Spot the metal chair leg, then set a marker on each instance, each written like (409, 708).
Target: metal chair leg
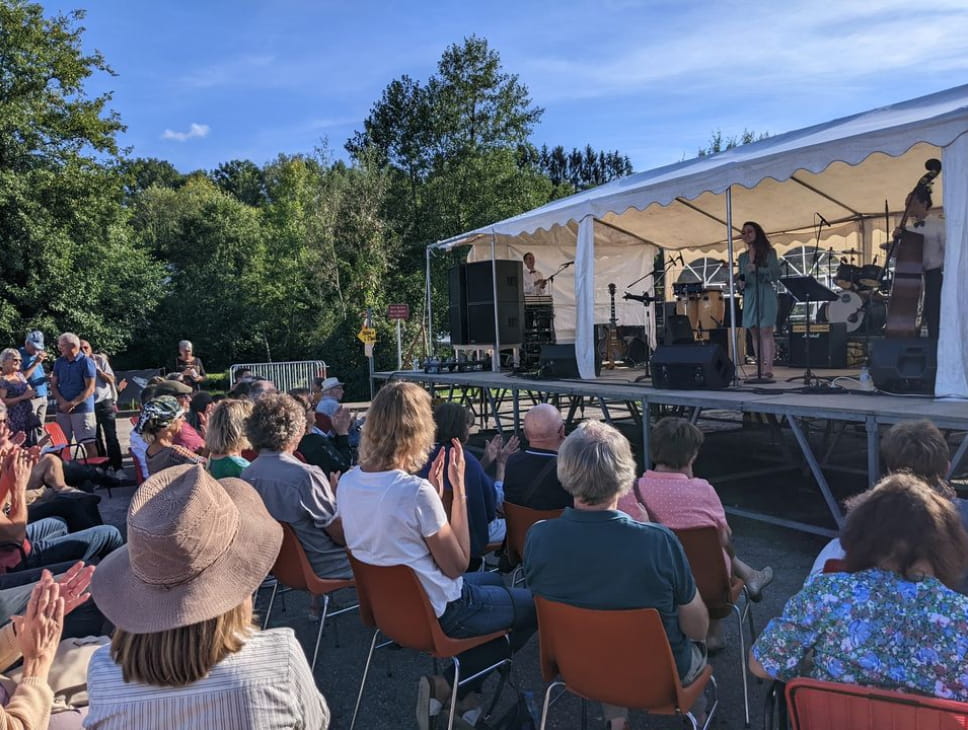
(547, 701)
(742, 664)
(366, 669)
(272, 599)
(319, 633)
(453, 694)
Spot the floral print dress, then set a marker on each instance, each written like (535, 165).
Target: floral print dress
(872, 628)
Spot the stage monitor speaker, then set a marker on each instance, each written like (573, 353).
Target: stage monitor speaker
(691, 367)
(828, 346)
(457, 307)
(904, 365)
(558, 361)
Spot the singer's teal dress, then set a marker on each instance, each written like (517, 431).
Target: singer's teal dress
(760, 292)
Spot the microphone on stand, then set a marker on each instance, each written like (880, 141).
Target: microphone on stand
(823, 221)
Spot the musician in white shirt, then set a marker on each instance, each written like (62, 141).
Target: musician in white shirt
(534, 282)
(931, 226)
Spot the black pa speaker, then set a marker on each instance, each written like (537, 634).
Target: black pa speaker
(480, 290)
(457, 304)
(471, 308)
(558, 361)
(904, 365)
(691, 367)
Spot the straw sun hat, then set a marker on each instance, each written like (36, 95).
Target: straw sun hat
(197, 547)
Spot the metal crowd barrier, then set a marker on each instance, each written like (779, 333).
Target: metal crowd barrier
(285, 375)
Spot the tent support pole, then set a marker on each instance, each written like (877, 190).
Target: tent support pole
(429, 336)
(496, 360)
(733, 341)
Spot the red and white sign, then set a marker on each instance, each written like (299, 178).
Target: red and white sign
(398, 311)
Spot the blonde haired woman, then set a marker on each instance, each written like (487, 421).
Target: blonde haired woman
(185, 653)
(225, 438)
(393, 517)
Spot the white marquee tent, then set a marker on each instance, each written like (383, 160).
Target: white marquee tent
(843, 170)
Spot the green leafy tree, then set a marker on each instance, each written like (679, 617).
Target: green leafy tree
(68, 262)
(141, 173)
(242, 179)
(214, 253)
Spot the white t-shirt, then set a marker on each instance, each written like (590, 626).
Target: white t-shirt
(833, 550)
(386, 516)
(932, 256)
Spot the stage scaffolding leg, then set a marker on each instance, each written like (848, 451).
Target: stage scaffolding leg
(646, 427)
(873, 448)
(494, 409)
(517, 409)
(816, 470)
(959, 455)
(605, 414)
(694, 416)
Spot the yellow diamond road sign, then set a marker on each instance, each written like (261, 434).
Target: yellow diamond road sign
(367, 335)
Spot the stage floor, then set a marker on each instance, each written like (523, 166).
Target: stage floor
(501, 398)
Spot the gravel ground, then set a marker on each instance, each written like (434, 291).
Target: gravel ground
(391, 690)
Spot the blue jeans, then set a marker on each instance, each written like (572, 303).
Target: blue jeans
(51, 543)
(486, 605)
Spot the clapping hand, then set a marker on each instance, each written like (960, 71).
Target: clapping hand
(341, 421)
(39, 629)
(455, 468)
(74, 584)
(436, 474)
(511, 447)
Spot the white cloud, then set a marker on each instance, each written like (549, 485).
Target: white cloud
(194, 130)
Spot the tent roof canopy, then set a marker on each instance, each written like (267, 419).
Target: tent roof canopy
(843, 170)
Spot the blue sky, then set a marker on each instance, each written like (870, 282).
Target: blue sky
(204, 82)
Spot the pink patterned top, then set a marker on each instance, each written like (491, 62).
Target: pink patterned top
(676, 501)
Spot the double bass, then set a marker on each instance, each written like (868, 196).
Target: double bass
(907, 249)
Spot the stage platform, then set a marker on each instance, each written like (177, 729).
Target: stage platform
(501, 398)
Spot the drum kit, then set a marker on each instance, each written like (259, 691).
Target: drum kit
(860, 305)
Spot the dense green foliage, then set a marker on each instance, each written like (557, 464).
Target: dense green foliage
(278, 262)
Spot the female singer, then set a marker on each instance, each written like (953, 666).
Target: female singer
(758, 269)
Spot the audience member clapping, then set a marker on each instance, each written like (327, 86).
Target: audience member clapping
(47, 541)
(893, 620)
(330, 453)
(34, 637)
(185, 653)
(391, 516)
(453, 421)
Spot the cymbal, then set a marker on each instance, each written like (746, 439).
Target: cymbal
(850, 252)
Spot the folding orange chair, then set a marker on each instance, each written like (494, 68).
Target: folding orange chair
(519, 520)
(293, 570)
(62, 447)
(719, 590)
(620, 657)
(816, 705)
(396, 605)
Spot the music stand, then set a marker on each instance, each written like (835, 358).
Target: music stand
(807, 289)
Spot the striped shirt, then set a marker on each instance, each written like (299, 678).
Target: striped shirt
(267, 685)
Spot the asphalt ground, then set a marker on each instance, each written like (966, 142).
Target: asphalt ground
(390, 694)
